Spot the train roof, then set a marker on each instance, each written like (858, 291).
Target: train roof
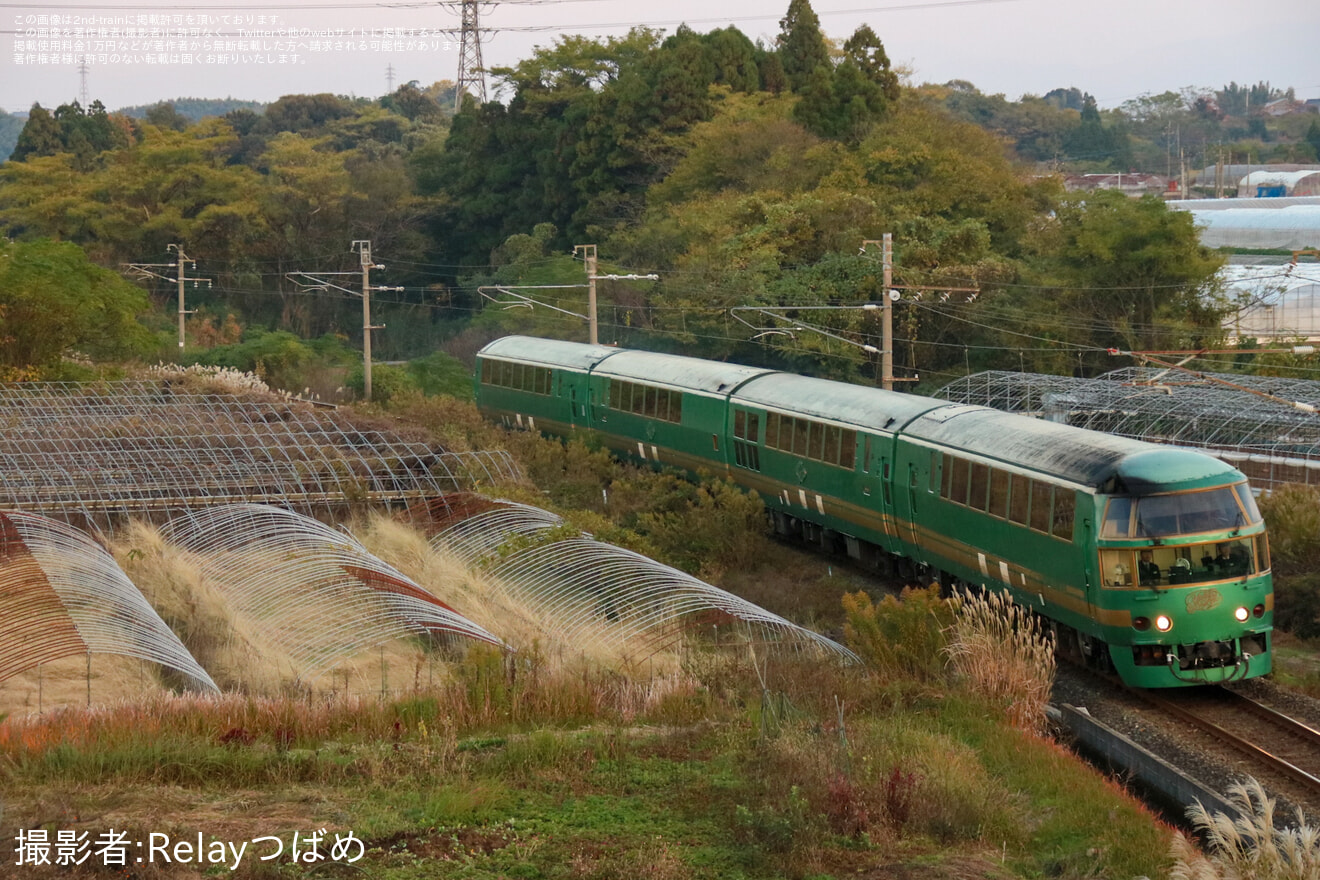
(1101, 461)
(675, 370)
(551, 352)
(839, 401)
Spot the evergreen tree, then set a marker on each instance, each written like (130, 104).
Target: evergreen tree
(773, 78)
(844, 101)
(1313, 136)
(40, 136)
(801, 44)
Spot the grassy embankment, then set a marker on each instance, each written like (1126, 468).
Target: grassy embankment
(926, 763)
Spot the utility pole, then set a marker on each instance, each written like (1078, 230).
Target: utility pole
(589, 257)
(363, 248)
(314, 281)
(145, 270)
(887, 296)
(887, 317)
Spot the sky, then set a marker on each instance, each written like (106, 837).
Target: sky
(1117, 50)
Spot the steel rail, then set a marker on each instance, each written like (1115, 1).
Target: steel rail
(1246, 746)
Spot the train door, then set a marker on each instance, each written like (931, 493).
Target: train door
(874, 486)
(913, 483)
(576, 409)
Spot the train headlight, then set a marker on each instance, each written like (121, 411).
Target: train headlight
(1241, 614)
(1259, 611)
(1163, 623)
(1141, 624)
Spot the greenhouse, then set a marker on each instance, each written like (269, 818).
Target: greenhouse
(1279, 302)
(1269, 438)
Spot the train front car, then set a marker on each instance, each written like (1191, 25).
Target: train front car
(1150, 559)
(1185, 592)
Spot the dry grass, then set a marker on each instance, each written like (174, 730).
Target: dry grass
(1249, 847)
(1002, 651)
(64, 683)
(232, 648)
(479, 597)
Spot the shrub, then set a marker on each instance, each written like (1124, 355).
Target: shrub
(387, 382)
(904, 636)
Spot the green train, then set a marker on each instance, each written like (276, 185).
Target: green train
(1149, 559)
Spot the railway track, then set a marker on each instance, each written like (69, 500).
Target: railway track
(1264, 736)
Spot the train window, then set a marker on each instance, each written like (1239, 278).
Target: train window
(1040, 506)
(772, 430)
(866, 454)
(848, 450)
(1188, 512)
(1019, 500)
(615, 388)
(1118, 519)
(662, 405)
(831, 453)
(980, 485)
(753, 427)
(651, 402)
(801, 428)
(676, 406)
(946, 491)
(739, 457)
(543, 380)
(1248, 502)
(739, 423)
(1116, 568)
(817, 448)
(1262, 552)
(999, 493)
(958, 488)
(1065, 503)
(934, 472)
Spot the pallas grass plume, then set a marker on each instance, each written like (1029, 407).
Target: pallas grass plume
(1002, 651)
(1248, 847)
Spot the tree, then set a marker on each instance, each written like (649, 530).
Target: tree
(842, 102)
(410, 101)
(773, 78)
(801, 44)
(41, 136)
(163, 115)
(1313, 136)
(52, 299)
(1130, 273)
(1065, 99)
(734, 58)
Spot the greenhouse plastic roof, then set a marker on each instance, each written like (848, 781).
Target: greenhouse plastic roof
(1291, 228)
(1162, 406)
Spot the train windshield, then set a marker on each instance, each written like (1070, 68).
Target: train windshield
(1181, 513)
(1162, 566)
